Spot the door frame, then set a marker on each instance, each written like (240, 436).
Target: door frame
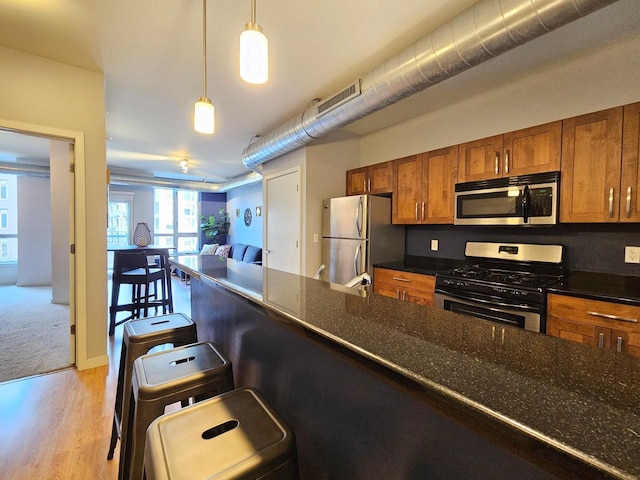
(77, 232)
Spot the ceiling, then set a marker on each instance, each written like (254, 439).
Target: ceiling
(151, 56)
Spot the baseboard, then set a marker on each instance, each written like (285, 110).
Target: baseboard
(92, 362)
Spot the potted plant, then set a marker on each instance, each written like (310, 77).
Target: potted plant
(215, 229)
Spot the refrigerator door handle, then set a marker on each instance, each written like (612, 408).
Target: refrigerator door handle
(355, 260)
(358, 222)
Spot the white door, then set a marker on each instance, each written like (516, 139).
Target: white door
(283, 219)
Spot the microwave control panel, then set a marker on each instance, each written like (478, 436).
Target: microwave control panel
(541, 202)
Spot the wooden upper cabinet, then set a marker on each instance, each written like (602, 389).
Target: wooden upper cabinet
(357, 181)
(372, 179)
(407, 190)
(424, 187)
(630, 180)
(532, 150)
(523, 152)
(480, 159)
(591, 167)
(439, 173)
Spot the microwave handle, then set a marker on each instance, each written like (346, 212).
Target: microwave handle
(525, 204)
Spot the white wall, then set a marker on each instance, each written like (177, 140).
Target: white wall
(37, 94)
(34, 232)
(249, 196)
(597, 80)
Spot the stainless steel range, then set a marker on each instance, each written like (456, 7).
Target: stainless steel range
(502, 282)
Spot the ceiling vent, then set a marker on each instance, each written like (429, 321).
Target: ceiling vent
(340, 98)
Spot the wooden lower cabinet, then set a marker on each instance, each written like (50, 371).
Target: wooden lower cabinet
(602, 324)
(411, 287)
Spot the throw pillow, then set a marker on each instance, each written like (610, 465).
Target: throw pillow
(209, 249)
(223, 250)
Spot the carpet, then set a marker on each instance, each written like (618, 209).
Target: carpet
(34, 333)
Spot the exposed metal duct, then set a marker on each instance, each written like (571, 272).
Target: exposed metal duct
(487, 29)
(240, 181)
(24, 169)
(122, 179)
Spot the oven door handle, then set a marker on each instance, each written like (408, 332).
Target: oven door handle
(485, 302)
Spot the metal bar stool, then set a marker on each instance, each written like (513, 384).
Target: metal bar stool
(159, 379)
(131, 267)
(234, 435)
(140, 336)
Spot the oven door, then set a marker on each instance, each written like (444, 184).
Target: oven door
(502, 311)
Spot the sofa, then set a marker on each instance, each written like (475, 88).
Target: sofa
(237, 251)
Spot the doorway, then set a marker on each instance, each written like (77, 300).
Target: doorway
(283, 221)
(36, 269)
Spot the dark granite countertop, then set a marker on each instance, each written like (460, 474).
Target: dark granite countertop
(423, 265)
(600, 286)
(571, 397)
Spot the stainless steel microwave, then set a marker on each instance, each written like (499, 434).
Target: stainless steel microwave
(523, 200)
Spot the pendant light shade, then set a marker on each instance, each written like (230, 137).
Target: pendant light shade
(204, 112)
(204, 116)
(254, 51)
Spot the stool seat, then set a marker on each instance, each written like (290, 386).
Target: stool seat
(197, 371)
(139, 336)
(234, 435)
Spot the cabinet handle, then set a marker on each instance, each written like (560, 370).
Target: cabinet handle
(364, 185)
(369, 185)
(601, 340)
(497, 163)
(628, 202)
(506, 162)
(400, 279)
(398, 293)
(423, 211)
(619, 347)
(416, 210)
(502, 337)
(404, 295)
(613, 317)
(611, 202)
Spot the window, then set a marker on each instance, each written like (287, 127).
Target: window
(4, 190)
(118, 223)
(4, 219)
(176, 219)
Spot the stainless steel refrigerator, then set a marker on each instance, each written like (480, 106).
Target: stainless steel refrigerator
(356, 234)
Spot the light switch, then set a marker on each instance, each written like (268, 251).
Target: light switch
(316, 238)
(434, 245)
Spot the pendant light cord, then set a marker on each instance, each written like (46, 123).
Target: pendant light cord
(253, 11)
(204, 48)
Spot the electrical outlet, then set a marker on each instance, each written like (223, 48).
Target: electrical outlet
(632, 254)
(434, 245)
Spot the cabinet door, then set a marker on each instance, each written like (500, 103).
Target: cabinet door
(439, 173)
(386, 289)
(380, 178)
(407, 204)
(480, 159)
(630, 204)
(357, 181)
(591, 159)
(593, 335)
(533, 150)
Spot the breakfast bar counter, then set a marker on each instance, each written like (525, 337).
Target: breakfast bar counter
(378, 388)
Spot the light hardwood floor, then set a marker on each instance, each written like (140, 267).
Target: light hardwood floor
(58, 425)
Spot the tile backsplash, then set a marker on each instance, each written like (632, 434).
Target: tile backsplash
(588, 247)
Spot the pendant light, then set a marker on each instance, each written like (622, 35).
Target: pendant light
(204, 113)
(254, 51)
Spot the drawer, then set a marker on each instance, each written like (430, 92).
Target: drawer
(594, 312)
(404, 279)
